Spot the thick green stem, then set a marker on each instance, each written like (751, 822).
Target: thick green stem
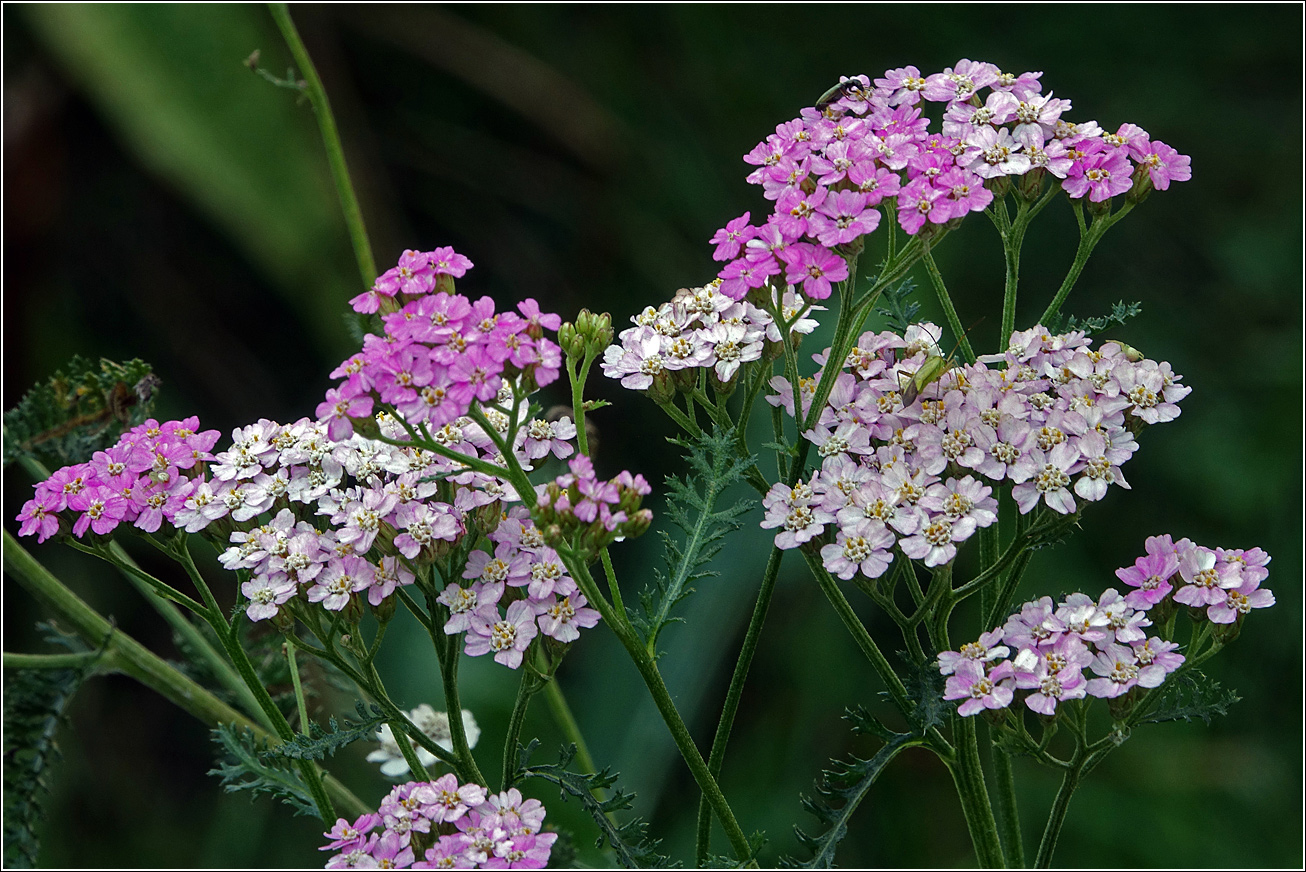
(733, 694)
(566, 722)
(971, 790)
(326, 122)
(101, 659)
(135, 660)
(1013, 845)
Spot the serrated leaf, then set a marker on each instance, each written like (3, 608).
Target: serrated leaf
(630, 841)
(925, 687)
(324, 742)
(1187, 697)
(35, 701)
(898, 309)
(846, 782)
(692, 508)
(83, 408)
(244, 767)
(1120, 313)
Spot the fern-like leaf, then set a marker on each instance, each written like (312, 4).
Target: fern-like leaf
(1188, 697)
(34, 704)
(692, 508)
(81, 409)
(246, 765)
(322, 742)
(899, 309)
(843, 787)
(629, 841)
(1120, 313)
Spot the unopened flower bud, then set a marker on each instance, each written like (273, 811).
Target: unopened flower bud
(722, 388)
(1031, 184)
(572, 344)
(1000, 186)
(386, 610)
(663, 389)
(443, 284)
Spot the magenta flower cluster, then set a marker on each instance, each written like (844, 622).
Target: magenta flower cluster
(440, 352)
(1055, 643)
(828, 170)
(701, 328)
(519, 591)
(444, 825)
(144, 480)
(1053, 416)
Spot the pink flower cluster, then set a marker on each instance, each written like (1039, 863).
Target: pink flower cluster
(440, 352)
(144, 480)
(1056, 643)
(828, 170)
(449, 825)
(520, 591)
(576, 507)
(379, 505)
(700, 328)
(1052, 416)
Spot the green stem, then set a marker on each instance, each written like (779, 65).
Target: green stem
(326, 122)
(858, 631)
(300, 704)
(971, 790)
(1088, 240)
(648, 671)
(137, 661)
(181, 625)
(1013, 846)
(526, 690)
(716, 758)
(949, 311)
(1057, 817)
(79, 660)
(566, 722)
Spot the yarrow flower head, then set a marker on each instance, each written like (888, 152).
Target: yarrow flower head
(443, 824)
(1109, 637)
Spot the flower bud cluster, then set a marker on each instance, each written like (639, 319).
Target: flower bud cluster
(829, 169)
(1054, 644)
(440, 352)
(448, 825)
(588, 514)
(436, 727)
(520, 591)
(701, 328)
(1053, 416)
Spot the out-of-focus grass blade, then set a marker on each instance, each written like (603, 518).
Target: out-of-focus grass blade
(170, 80)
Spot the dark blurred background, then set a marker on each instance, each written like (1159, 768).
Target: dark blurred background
(162, 202)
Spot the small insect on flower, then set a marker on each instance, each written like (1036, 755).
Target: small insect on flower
(934, 368)
(846, 88)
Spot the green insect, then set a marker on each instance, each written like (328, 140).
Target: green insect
(934, 368)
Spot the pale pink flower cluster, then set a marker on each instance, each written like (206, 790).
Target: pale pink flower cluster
(510, 596)
(449, 826)
(829, 170)
(1053, 416)
(1055, 643)
(701, 328)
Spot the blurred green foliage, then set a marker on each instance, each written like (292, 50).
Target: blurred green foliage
(162, 202)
